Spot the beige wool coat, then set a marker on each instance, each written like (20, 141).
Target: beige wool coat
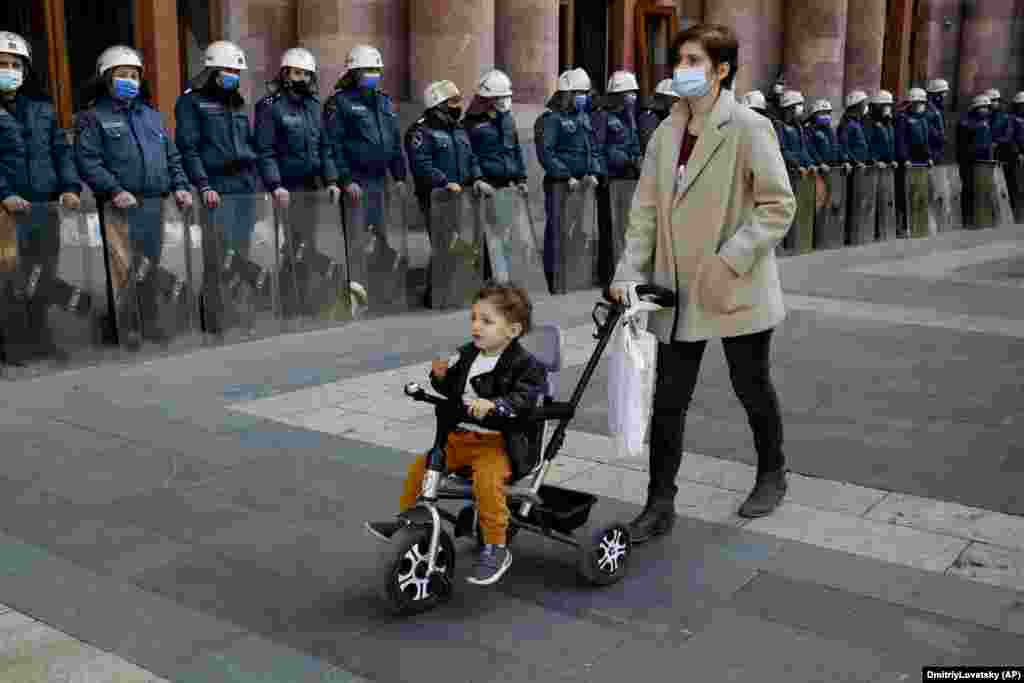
(734, 202)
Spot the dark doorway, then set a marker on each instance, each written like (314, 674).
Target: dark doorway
(91, 28)
(591, 40)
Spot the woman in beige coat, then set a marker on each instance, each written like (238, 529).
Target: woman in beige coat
(712, 203)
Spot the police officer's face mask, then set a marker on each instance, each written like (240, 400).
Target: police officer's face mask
(503, 104)
(126, 88)
(229, 81)
(887, 112)
(10, 79)
(823, 120)
(370, 81)
(582, 102)
(797, 111)
(919, 107)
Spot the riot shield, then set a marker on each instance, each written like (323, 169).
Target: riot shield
(240, 279)
(863, 195)
(621, 193)
(939, 198)
(456, 263)
(1018, 190)
(313, 272)
(377, 247)
(168, 295)
(920, 219)
(508, 236)
(830, 218)
(575, 241)
(886, 213)
(53, 281)
(800, 237)
(956, 191)
(991, 197)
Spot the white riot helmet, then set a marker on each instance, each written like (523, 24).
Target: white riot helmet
(882, 97)
(224, 55)
(981, 101)
(821, 106)
(575, 79)
(937, 85)
(13, 44)
(117, 55)
(993, 94)
(665, 88)
(495, 84)
(856, 97)
(364, 57)
(438, 92)
(917, 95)
(755, 100)
(791, 97)
(622, 81)
(1018, 98)
(299, 58)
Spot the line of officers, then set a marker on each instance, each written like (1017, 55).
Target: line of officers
(348, 145)
(872, 130)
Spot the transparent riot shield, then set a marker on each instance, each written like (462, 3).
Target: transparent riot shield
(1018, 191)
(377, 243)
(575, 241)
(240, 282)
(800, 238)
(830, 219)
(939, 198)
(920, 219)
(456, 263)
(508, 236)
(863, 195)
(887, 215)
(956, 191)
(53, 293)
(991, 197)
(418, 244)
(621, 192)
(167, 291)
(313, 271)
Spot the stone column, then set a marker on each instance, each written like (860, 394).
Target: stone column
(815, 44)
(526, 46)
(865, 41)
(450, 40)
(988, 57)
(331, 28)
(759, 26)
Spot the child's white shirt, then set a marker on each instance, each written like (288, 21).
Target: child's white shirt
(481, 365)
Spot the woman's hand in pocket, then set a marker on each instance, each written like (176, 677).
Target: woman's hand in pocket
(717, 283)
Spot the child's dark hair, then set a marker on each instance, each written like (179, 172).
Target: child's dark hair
(512, 300)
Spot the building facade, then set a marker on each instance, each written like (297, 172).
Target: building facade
(825, 48)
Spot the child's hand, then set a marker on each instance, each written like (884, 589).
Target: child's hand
(439, 368)
(479, 408)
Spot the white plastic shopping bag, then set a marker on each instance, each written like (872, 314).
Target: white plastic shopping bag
(631, 372)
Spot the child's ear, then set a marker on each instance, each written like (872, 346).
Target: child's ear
(516, 329)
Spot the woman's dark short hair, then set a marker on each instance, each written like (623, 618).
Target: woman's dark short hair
(720, 42)
(512, 300)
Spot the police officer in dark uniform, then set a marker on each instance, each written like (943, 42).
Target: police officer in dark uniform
(1018, 124)
(880, 130)
(913, 132)
(296, 156)
(568, 151)
(792, 140)
(617, 137)
(442, 153)
(1003, 136)
(125, 155)
(217, 147)
(852, 137)
(938, 89)
(822, 143)
(656, 110)
(975, 142)
(37, 166)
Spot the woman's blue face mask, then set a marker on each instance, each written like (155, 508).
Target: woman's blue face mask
(369, 81)
(230, 81)
(583, 103)
(126, 88)
(823, 120)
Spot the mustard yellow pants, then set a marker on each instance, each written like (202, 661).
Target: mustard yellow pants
(486, 455)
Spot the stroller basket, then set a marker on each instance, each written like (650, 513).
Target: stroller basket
(562, 510)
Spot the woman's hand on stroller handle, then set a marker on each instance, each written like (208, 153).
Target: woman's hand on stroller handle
(628, 295)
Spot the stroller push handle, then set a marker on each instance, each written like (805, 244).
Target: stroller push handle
(655, 294)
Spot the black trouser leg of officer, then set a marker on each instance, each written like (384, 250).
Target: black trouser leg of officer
(605, 266)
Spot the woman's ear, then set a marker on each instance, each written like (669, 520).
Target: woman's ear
(723, 71)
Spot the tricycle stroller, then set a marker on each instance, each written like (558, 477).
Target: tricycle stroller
(421, 555)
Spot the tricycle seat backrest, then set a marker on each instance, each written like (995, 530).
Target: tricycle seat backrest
(545, 343)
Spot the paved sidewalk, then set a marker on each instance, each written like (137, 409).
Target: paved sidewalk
(199, 517)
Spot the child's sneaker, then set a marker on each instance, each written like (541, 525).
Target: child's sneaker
(492, 564)
(382, 530)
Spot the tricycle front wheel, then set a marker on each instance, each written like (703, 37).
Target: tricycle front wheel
(409, 587)
(604, 557)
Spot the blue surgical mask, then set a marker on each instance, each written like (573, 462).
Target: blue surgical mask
(230, 81)
(690, 82)
(824, 120)
(369, 81)
(10, 79)
(126, 88)
(630, 98)
(583, 103)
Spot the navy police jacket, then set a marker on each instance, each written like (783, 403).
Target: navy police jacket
(291, 142)
(124, 147)
(495, 142)
(442, 154)
(37, 162)
(854, 141)
(363, 129)
(216, 140)
(882, 140)
(569, 147)
(619, 143)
